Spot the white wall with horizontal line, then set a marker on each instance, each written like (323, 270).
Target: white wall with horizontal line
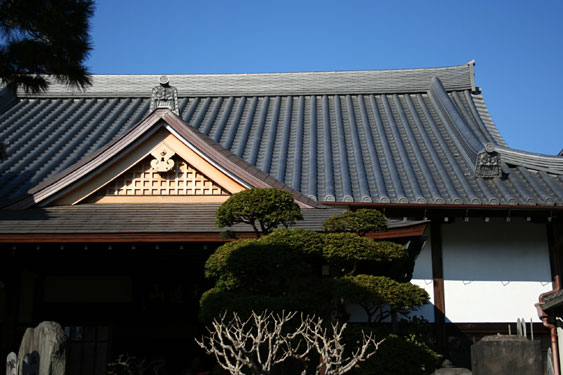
(494, 271)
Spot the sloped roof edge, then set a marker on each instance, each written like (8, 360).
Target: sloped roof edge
(79, 169)
(531, 160)
(460, 77)
(223, 158)
(468, 142)
(478, 103)
(463, 137)
(231, 162)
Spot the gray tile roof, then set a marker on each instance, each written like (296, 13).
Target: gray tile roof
(402, 136)
(142, 218)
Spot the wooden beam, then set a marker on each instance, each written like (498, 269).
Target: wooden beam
(555, 248)
(11, 278)
(447, 206)
(413, 231)
(438, 281)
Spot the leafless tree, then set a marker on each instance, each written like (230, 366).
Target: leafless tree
(331, 349)
(260, 342)
(255, 344)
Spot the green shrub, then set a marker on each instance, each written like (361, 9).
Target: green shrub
(263, 209)
(400, 356)
(312, 300)
(345, 251)
(304, 241)
(273, 273)
(379, 296)
(360, 221)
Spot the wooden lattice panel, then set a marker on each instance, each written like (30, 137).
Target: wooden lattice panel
(143, 180)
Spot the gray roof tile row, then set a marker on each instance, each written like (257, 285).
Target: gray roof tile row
(405, 136)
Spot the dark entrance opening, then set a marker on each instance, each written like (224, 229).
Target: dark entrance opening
(113, 299)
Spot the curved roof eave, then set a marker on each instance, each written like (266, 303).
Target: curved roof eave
(530, 160)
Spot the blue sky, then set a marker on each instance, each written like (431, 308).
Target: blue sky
(517, 46)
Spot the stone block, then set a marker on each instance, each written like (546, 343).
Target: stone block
(43, 350)
(506, 355)
(12, 364)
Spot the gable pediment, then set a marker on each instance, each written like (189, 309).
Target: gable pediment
(162, 169)
(160, 160)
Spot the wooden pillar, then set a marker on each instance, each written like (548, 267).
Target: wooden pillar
(438, 282)
(555, 246)
(11, 284)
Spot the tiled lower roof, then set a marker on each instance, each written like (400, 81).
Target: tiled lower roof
(409, 147)
(142, 218)
(553, 301)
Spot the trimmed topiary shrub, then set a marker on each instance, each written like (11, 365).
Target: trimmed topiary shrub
(360, 222)
(345, 251)
(263, 209)
(379, 296)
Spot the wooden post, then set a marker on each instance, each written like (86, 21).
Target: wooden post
(11, 278)
(555, 245)
(438, 281)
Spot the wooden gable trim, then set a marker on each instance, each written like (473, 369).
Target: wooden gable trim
(95, 164)
(137, 154)
(66, 178)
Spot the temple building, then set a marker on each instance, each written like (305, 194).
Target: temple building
(108, 196)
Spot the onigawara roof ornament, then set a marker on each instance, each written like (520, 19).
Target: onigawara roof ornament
(488, 163)
(165, 96)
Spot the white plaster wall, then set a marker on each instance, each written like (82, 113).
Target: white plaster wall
(422, 276)
(495, 271)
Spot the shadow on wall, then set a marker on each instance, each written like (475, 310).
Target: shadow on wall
(496, 251)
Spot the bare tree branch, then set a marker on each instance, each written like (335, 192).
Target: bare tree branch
(264, 340)
(256, 344)
(331, 349)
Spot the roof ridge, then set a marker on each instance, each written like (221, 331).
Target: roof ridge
(466, 65)
(459, 77)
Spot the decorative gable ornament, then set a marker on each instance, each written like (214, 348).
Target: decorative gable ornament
(488, 163)
(165, 96)
(162, 161)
